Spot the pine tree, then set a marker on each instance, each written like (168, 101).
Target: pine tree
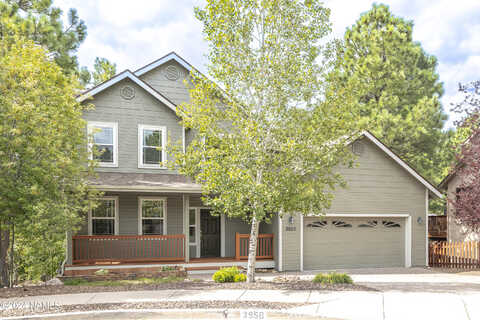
(398, 88)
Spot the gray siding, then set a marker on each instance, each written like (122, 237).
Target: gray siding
(291, 243)
(232, 226)
(377, 185)
(129, 114)
(176, 91)
(128, 213)
(196, 201)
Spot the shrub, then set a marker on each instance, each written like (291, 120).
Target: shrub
(231, 274)
(332, 278)
(241, 277)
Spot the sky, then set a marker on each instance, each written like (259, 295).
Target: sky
(134, 33)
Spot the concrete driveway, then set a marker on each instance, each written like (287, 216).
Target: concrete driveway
(402, 279)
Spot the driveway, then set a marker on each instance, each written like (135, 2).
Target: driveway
(411, 279)
(394, 279)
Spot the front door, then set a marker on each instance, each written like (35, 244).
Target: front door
(210, 234)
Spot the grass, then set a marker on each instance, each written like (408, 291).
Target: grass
(114, 283)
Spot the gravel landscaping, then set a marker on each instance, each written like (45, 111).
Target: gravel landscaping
(198, 285)
(155, 305)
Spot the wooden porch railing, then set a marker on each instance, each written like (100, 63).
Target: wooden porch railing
(128, 248)
(264, 246)
(461, 255)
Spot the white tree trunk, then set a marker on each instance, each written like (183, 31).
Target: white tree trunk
(252, 250)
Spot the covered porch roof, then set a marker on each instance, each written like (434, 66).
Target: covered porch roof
(145, 182)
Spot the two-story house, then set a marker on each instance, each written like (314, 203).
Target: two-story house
(151, 216)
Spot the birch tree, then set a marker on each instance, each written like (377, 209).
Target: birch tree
(267, 134)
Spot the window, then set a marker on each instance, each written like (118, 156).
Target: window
(192, 226)
(104, 140)
(341, 224)
(103, 219)
(317, 224)
(152, 216)
(151, 144)
(390, 224)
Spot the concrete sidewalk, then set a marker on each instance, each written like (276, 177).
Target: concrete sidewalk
(340, 304)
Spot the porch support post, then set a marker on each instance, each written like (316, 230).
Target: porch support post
(280, 243)
(222, 235)
(186, 225)
(69, 249)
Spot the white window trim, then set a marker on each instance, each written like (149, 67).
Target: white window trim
(195, 225)
(142, 127)
(91, 218)
(113, 125)
(140, 218)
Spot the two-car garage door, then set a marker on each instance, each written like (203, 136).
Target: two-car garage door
(346, 242)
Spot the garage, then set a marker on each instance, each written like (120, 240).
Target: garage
(351, 242)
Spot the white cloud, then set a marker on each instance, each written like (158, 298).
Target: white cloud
(134, 33)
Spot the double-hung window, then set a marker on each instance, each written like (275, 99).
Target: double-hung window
(151, 146)
(103, 219)
(104, 143)
(152, 213)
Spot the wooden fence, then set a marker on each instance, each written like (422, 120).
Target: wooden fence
(461, 255)
(264, 246)
(128, 248)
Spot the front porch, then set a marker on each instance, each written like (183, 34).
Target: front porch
(113, 249)
(138, 230)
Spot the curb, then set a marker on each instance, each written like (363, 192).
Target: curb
(208, 312)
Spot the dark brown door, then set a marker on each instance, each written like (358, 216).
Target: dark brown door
(210, 234)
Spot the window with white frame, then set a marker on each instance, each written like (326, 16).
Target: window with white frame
(192, 218)
(152, 216)
(104, 218)
(104, 143)
(151, 145)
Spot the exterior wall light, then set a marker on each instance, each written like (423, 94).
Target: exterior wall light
(420, 220)
(290, 220)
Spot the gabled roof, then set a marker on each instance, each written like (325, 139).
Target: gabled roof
(402, 163)
(124, 75)
(171, 56)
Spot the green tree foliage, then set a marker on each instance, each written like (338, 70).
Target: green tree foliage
(43, 158)
(269, 141)
(40, 22)
(103, 70)
(399, 88)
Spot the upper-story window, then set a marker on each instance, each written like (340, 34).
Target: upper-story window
(151, 146)
(105, 142)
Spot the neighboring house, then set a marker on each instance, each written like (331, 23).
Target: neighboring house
(151, 215)
(455, 230)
